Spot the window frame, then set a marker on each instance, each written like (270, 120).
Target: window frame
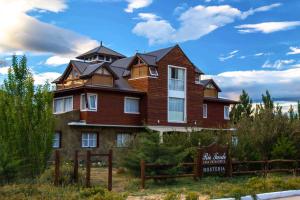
(88, 139)
(88, 97)
(122, 145)
(177, 94)
(63, 98)
(135, 98)
(153, 74)
(59, 140)
(227, 117)
(205, 114)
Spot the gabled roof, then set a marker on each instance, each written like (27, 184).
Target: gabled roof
(148, 59)
(94, 67)
(123, 62)
(159, 54)
(101, 50)
(207, 81)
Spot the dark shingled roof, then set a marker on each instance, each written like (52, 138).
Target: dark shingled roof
(122, 63)
(207, 81)
(221, 100)
(159, 54)
(101, 50)
(148, 59)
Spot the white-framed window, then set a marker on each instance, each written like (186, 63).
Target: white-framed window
(153, 71)
(176, 94)
(176, 78)
(123, 139)
(89, 102)
(226, 113)
(132, 105)
(204, 110)
(62, 104)
(89, 140)
(176, 109)
(56, 140)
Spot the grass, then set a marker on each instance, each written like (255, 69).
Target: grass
(124, 185)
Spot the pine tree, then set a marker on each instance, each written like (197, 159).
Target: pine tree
(243, 109)
(267, 101)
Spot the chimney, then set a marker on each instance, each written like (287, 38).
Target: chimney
(101, 43)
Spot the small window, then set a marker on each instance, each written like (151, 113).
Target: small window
(153, 71)
(204, 110)
(131, 105)
(89, 140)
(56, 140)
(123, 139)
(75, 74)
(176, 110)
(62, 105)
(226, 112)
(91, 104)
(197, 78)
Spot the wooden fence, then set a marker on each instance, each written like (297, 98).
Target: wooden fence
(215, 159)
(88, 163)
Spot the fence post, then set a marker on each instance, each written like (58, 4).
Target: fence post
(197, 165)
(143, 173)
(57, 163)
(266, 168)
(200, 163)
(110, 170)
(88, 169)
(75, 175)
(228, 164)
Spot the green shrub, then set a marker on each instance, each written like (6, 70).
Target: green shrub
(192, 196)
(284, 149)
(172, 196)
(66, 175)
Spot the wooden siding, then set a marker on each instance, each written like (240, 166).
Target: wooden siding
(210, 92)
(141, 84)
(157, 99)
(97, 79)
(139, 70)
(215, 115)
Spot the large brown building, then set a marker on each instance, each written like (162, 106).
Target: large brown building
(103, 98)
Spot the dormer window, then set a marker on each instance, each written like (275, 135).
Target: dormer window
(153, 71)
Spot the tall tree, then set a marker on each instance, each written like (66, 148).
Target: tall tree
(26, 121)
(267, 101)
(243, 109)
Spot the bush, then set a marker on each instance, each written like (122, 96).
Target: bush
(66, 175)
(172, 196)
(192, 196)
(284, 149)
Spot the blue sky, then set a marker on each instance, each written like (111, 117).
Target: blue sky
(242, 44)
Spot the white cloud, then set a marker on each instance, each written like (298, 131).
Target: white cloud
(229, 56)
(26, 33)
(259, 54)
(195, 22)
(278, 64)
(259, 9)
(148, 16)
(281, 83)
(57, 60)
(41, 78)
(267, 27)
(294, 50)
(4, 70)
(136, 4)
(160, 30)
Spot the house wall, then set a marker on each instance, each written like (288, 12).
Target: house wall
(157, 98)
(105, 80)
(215, 115)
(71, 136)
(110, 108)
(210, 93)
